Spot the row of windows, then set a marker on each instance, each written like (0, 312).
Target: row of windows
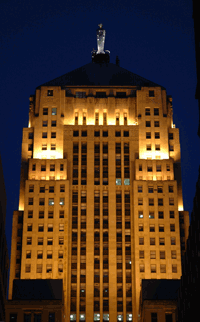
(152, 214)
(45, 135)
(50, 202)
(52, 167)
(50, 214)
(154, 268)
(161, 228)
(158, 189)
(45, 123)
(157, 135)
(40, 266)
(50, 188)
(41, 227)
(153, 254)
(49, 254)
(156, 124)
(148, 111)
(103, 94)
(160, 202)
(97, 133)
(157, 147)
(53, 111)
(49, 240)
(158, 168)
(36, 316)
(152, 241)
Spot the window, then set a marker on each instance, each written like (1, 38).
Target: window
(61, 227)
(101, 94)
(13, 317)
(52, 167)
(171, 213)
(160, 202)
(148, 135)
(42, 189)
(43, 167)
(141, 240)
(29, 227)
(174, 268)
(33, 167)
(171, 188)
(126, 133)
(50, 92)
(41, 214)
(153, 317)
(53, 135)
(30, 147)
(141, 227)
(139, 188)
(41, 201)
(44, 135)
(45, 111)
(53, 146)
(150, 189)
(120, 94)
(53, 123)
(156, 124)
(61, 214)
(44, 147)
(49, 268)
(141, 254)
(171, 147)
(140, 167)
(61, 167)
(148, 147)
(152, 241)
(151, 214)
(31, 188)
(140, 201)
(53, 111)
(105, 133)
(161, 228)
(40, 228)
(51, 201)
(96, 133)
(173, 240)
(151, 93)
(157, 135)
(172, 227)
(84, 133)
(171, 201)
(147, 111)
(30, 201)
(162, 268)
(161, 241)
(152, 254)
(149, 168)
(173, 254)
(61, 240)
(62, 201)
(117, 133)
(140, 214)
(168, 317)
(151, 202)
(158, 168)
(40, 254)
(28, 254)
(30, 214)
(162, 254)
(152, 228)
(148, 123)
(60, 254)
(156, 111)
(50, 241)
(160, 189)
(40, 240)
(142, 268)
(157, 147)
(80, 94)
(44, 123)
(167, 167)
(60, 268)
(171, 136)
(153, 268)
(50, 227)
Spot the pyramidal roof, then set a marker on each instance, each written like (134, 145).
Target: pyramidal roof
(100, 74)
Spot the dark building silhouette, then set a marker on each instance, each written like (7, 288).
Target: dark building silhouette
(4, 259)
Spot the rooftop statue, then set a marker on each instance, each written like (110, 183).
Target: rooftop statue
(100, 55)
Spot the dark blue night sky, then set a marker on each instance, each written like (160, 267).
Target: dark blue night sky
(41, 40)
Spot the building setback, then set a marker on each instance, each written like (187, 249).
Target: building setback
(100, 203)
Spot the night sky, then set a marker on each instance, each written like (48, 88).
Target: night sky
(41, 40)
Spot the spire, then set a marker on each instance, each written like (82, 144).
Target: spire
(100, 55)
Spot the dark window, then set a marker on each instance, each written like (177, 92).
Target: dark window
(44, 123)
(120, 94)
(61, 167)
(53, 135)
(45, 111)
(80, 94)
(30, 135)
(75, 133)
(148, 123)
(52, 317)
(156, 124)
(30, 147)
(153, 317)
(33, 167)
(53, 123)
(171, 136)
(37, 317)
(171, 213)
(84, 133)
(126, 133)
(117, 133)
(151, 93)
(148, 135)
(156, 111)
(160, 215)
(50, 92)
(44, 135)
(168, 317)
(27, 317)
(157, 135)
(100, 94)
(147, 111)
(171, 148)
(105, 133)
(96, 133)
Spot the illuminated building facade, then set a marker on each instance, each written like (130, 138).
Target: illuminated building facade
(100, 195)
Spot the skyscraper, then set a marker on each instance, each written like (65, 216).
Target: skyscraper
(100, 202)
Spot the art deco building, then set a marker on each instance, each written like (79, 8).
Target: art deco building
(100, 202)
